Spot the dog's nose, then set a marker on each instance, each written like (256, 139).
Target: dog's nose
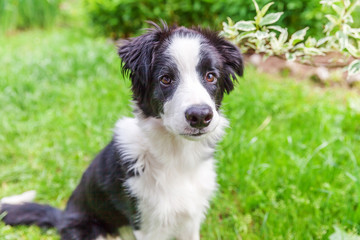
(199, 116)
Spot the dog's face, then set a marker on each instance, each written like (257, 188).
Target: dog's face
(180, 75)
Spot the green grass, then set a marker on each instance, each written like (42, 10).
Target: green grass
(288, 167)
(23, 14)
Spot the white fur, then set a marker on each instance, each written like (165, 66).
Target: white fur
(190, 91)
(108, 238)
(28, 196)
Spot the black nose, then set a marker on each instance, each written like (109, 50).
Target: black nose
(199, 116)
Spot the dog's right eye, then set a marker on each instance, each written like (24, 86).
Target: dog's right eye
(165, 80)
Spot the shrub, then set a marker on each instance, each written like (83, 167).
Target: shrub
(122, 18)
(119, 18)
(23, 14)
(297, 14)
(262, 36)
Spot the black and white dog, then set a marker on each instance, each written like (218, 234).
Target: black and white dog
(157, 174)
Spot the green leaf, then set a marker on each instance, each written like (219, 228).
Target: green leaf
(256, 6)
(230, 21)
(245, 26)
(352, 7)
(343, 39)
(270, 18)
(340, 11)
(332, 19)
(266, 8)
(352, 50)
(348, 19)
(310, 42)
(347, 3)
(298, 36)
(277, 45)
(323, 40)
(244, 35)
(228, 31)
(355, 33)
(346, 29)
(328, 2)
(251, 45)
(283, 36)
(277, 28)
(309, 51)
(261, 35)
(300, 46)
(329, 27)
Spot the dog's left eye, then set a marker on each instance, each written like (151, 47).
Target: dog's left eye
(165, 80)
(210, 77)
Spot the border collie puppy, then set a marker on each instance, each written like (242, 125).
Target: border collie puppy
(158, 173)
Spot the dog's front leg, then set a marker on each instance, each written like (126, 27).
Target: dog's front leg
(191, 236)
(155, 234)
(190, 230)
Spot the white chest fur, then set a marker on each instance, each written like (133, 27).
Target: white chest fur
(168, 203)
(176, 177)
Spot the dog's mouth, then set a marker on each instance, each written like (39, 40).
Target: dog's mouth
(194, 133)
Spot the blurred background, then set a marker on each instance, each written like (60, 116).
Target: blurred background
(124, 18)
(288, 167)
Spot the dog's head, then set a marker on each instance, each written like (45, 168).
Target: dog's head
(180, 75)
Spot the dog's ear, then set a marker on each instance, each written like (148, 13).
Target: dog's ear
(137, 56)
(233, 64)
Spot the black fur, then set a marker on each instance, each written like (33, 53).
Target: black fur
(101, 203)
(31, 213)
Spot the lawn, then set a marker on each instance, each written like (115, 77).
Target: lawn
(288, 167)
